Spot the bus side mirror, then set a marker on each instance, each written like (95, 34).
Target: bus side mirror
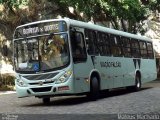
(87, 44)
(4, 50)
(87, 40)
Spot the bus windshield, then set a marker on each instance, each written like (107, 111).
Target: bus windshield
(43, 53)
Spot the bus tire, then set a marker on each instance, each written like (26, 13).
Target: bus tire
(138, 84)
(94, 88)
(46, 100)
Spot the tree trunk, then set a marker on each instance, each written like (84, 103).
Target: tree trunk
(124, 26)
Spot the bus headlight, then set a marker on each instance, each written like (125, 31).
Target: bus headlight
(64, 77)
(20, 83)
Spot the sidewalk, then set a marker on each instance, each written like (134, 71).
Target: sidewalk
(155, 83)
(7, 92)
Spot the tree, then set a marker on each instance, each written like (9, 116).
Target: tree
(122, 14)
(118, 12)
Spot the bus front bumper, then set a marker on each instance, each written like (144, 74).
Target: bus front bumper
(46, 90)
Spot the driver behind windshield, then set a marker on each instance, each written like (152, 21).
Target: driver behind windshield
(52, 51)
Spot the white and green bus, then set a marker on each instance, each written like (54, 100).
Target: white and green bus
(68, 57)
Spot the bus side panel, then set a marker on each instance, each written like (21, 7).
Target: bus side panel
(146, 67)
(148, 70)
(81, 76)
(129, 71)
(121, 72)
(111, 71)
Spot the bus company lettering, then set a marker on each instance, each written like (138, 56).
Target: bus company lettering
(46, 28)
(110, 64)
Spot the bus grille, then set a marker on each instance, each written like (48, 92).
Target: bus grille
(40, 77)
(37, 83)
(43, 89)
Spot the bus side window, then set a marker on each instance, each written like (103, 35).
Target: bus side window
(107, 43)
(92, 47)
(116, 46)
(143, 49)
(135, 48)
(103, 44)
(100, 43)
(126, 47)
(78, 47)
(150, 50)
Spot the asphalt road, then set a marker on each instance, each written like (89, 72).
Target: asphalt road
(117, 101)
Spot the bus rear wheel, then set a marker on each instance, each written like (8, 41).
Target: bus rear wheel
(137, 86)
(46, 100)
(94, 89)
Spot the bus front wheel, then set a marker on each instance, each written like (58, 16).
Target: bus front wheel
(94, 88)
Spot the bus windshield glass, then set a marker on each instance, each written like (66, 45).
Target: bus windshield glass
(41, 53)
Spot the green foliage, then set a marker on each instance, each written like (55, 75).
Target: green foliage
(7, 88)
(13, 3)
(115, 11)
(6, 82)
(1, 1)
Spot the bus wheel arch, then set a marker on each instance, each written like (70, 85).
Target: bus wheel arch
(94, 85)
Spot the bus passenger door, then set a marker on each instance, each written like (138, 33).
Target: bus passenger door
(81, 64)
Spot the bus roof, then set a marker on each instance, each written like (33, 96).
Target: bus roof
(107, 30)
(92, 26)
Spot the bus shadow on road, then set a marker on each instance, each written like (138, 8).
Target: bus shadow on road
(75, 100)
(120, 92)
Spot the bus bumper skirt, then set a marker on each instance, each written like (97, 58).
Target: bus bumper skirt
(43, 91)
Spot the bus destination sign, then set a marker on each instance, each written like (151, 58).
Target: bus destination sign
(46, 28)
(40, 29)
